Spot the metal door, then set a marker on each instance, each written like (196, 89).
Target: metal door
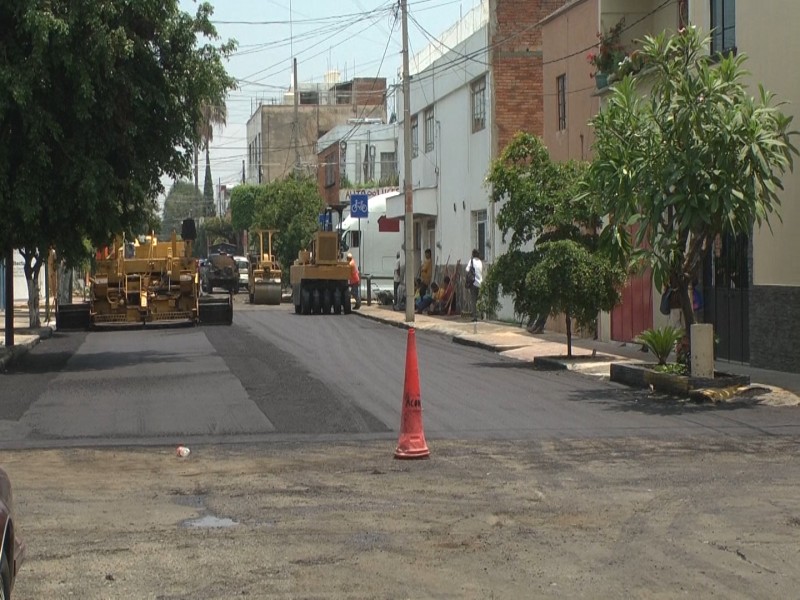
(634, 313)
(726, 296)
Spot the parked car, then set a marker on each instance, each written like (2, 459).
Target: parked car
(12, 551)
(244, 271)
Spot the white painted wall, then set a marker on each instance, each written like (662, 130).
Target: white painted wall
(456, 169)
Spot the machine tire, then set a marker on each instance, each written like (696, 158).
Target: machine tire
(315, 296)
(305, 301)
(337, 301)
(346, 302)
(327, 301)
(5, 579)
(250, 295)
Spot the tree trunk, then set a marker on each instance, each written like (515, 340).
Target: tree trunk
(33, 267)
(196, 173)
(9, 297)
(569, 335)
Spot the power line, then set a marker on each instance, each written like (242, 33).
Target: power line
(471, 55)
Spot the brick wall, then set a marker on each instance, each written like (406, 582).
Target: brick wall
(329, 156)
(369, 91)
(516, 59)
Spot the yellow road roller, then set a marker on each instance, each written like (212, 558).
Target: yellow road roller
(265, 273)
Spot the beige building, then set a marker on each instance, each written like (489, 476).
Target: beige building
(277, 143)
(751, 285)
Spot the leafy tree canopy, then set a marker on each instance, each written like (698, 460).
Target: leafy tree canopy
(292, 206)
(182, 202)
(682, 154)
(214, 230)
(97, 101)
(209, 209)
(563, 273)
(243, 203)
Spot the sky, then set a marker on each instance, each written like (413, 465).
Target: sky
(358, 38)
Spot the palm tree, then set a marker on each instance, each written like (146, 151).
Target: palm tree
(211, 115)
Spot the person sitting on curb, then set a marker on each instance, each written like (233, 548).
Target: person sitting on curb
(426, 300)
(443, 297)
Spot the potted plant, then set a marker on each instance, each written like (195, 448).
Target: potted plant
(610, 52)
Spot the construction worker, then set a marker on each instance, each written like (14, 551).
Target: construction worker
(354, 281)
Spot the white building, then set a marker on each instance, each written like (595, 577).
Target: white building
(470, 93)
(366, 152)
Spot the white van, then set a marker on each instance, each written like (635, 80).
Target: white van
(244, 271)
(374, 242)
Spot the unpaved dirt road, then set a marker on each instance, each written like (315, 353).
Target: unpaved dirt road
(566, 519)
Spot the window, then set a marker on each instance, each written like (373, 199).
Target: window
(478, 89)
(479, 232)
(414, 137)
(683, 13)
(723, 26)
(429, 131)
(388, 168)
(561, 96)
(330, 171)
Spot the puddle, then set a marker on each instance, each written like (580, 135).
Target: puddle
(209, 522)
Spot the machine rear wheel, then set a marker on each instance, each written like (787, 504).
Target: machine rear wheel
(305, 301)
(337, 301)
(315, 296)
(327, 301)
(346, 302)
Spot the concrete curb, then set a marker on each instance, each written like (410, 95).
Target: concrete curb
(9, 355)
(479, 344)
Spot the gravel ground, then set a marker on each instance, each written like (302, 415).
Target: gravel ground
(574, 519)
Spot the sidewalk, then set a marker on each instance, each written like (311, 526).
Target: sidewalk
(549, 349)
(25, 338)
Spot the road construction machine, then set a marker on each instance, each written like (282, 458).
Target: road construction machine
(319, 276)
(265, 273)
(219, 271)
(148, 283)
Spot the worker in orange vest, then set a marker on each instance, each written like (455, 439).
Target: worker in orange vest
(354, 281)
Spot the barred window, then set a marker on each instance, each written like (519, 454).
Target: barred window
(561, 97)
(429, 129)
(414, 136)
(478, 89)
(723, 25)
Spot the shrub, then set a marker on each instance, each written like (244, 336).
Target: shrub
(661, 341)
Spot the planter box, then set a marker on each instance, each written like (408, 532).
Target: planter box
(644, 376)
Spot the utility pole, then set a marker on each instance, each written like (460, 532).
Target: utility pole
(296, 127)
(408, 223)
(243, 178)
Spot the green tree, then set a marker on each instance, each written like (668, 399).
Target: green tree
(564, 273)
(292, 206)
(243, 206)
(214, 230)
(683, 154)
(212, 114)
(182, 202)
(97, 101)
(209, 209)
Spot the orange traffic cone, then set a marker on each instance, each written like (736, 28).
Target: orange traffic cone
(411, 443)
